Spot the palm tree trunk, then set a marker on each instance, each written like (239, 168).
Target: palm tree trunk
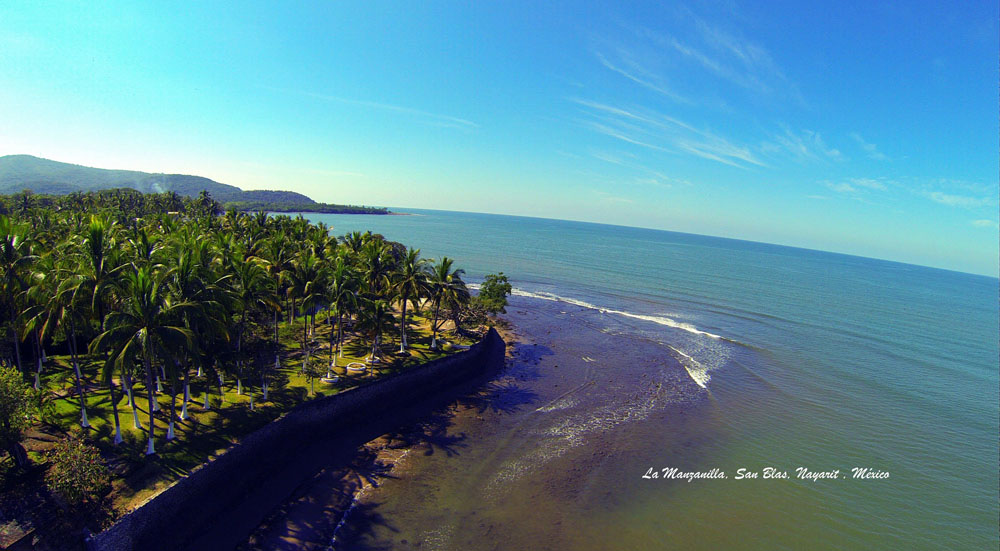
(340, 335)
(79, 386)
(114, 408)
(17, 342)
(150, 450)
(173, 407)
(187, 392)
(402, 328)
(222, 397)
(129, 388)
(263, 385)
(275, 328)
(208, 388)
(38, 361)
(434, 327)
(332, 335)
(38, 374)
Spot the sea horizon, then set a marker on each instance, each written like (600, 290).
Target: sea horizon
(401, 211)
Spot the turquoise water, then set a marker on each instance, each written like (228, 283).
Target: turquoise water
(790, 358)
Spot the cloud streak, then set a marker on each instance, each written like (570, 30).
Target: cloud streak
(804, 146)
(870, 149)
(644, 78)
(664, 133)
(962, 201)
(435, 119)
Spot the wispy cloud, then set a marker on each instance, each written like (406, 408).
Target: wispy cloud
(605, 196)
(721, 151)
(649, 176)
(870, 149)
(427, 117)
(653, 130)
(639, 74)
(857, 187)
(620, 135)
(986, 224)
(869, 183)
(804, 146)
(842, 187)
(725, 55)
(951, 200)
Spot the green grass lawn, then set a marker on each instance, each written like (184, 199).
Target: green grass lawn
(208, 433)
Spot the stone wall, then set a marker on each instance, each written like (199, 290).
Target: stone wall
(218, 504)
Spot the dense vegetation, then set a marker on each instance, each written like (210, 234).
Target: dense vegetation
(289, 206)
(123, 305)
(47, 177)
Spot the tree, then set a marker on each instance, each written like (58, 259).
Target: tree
(306, 283)
(15, 259)
(493, 293)
(375, 319)
(376, 266)
(341, 295)
(410, 284)
(68, 310)
(447, 290)
(146, 328)
(277, 259)
(251, 291)
(16, 408)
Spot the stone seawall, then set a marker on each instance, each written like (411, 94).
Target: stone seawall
(218, 504)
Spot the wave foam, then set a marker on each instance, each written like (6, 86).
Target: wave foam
(661, 320)
(697, 371)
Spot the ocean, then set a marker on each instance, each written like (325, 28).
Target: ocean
(783, 398)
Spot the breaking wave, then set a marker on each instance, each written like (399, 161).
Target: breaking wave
(661, 320)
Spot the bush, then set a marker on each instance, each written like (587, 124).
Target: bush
(77, 474)
(17, 403)
(493, 293)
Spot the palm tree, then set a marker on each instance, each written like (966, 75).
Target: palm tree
(355, 241)
(277, 259)
(341, 295)
(251, 290)
(15, 259)
(68, 309)
(375, 319)
(192, 279)
(146, 328)
(376, 266)
(306, 283)
(100, 264)
(447, 289)
(410, 284)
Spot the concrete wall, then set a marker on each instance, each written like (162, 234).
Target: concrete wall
(217, 505)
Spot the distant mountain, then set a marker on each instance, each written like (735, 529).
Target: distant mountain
(20, 172)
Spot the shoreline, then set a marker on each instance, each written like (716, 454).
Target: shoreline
(310, 517)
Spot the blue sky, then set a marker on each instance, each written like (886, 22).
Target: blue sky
(866, 128)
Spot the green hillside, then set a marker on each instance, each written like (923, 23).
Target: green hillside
(44, 176)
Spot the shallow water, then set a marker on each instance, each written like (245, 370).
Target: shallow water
(657, 349)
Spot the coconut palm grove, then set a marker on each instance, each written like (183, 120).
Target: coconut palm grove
(145, 333)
